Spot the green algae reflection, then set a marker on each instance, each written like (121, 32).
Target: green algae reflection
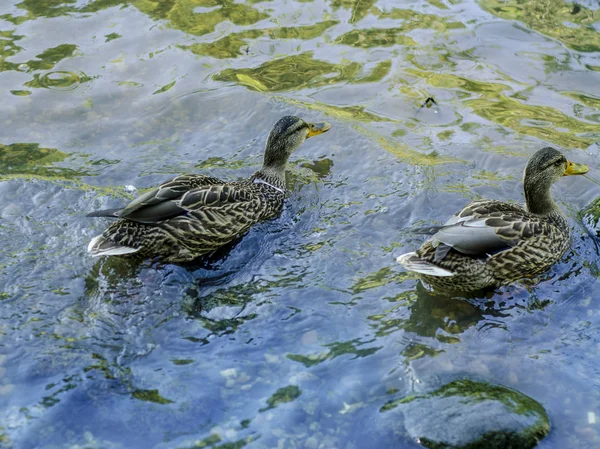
(544, 122)
(385, 37)
(8, 48)
(30, 160)
(44, 61)
(150, 396)
(571, 24)
(491, 102)
(230, 45)
(293, 73)
(58, 80)
(50, 57)
(185, 15)
(358, 8)
(56, 8)
(375, 37)
(336, 349)
(354, 113)
(281, 396)
(413, 20)
(196, 17)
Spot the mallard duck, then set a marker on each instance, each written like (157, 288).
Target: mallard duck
(193, 215)
(491, 243)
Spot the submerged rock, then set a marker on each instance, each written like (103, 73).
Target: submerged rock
(475, 415)
(590, 217)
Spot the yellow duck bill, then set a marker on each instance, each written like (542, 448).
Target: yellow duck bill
(318, 128)
(575, 169)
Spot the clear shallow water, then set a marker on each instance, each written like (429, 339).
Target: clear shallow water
(301, 333)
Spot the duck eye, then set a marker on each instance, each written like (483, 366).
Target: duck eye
(558, 163)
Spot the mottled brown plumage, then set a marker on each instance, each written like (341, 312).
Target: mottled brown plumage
(193, 215)
(491, 243)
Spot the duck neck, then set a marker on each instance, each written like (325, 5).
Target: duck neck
(272, 174)
(539, 200)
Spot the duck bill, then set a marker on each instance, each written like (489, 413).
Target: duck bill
(575, 169)
(318, 128)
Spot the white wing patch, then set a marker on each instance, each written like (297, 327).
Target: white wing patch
(95, 248)
(412, 262)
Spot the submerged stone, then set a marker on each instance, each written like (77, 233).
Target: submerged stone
(590, 217)
(475, 415)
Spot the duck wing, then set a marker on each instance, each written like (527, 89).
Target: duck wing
(217, 214)
(484, 228)
(193, 202)
(167, 192)
(158, 203)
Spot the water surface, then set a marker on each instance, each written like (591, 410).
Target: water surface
(301, 333)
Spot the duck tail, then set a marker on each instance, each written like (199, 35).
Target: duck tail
(115, 213)
(412, 262)
(100, 246)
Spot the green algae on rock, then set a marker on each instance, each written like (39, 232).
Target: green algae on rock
(466, 414)
(590, 217)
